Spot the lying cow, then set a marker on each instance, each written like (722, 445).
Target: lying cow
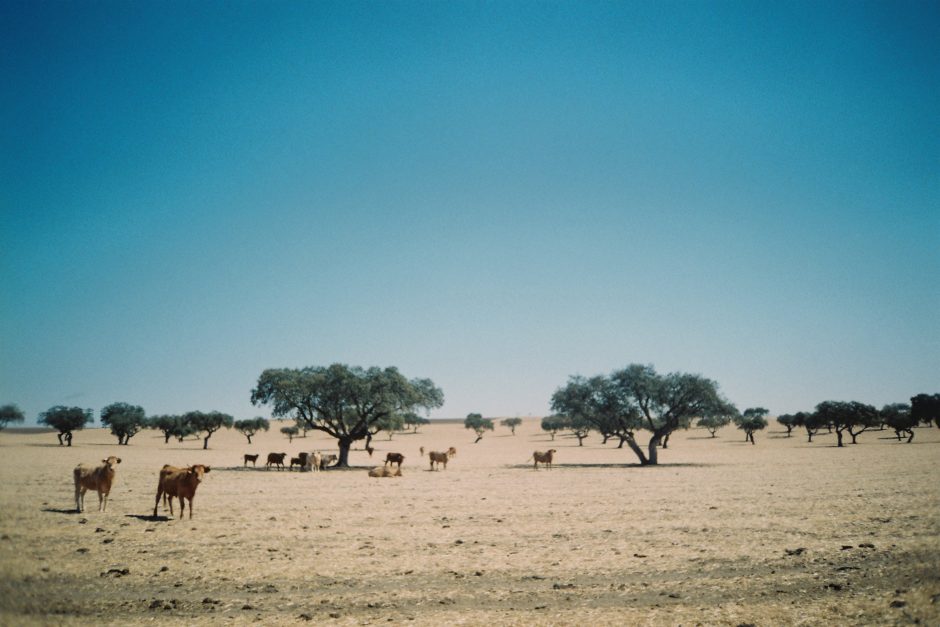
(545, 458)
(394, 458)
(439, 458)
(328, 460)
(179, 482)
(276, 459)
(251, 458)
(385, 471)
(99, 478)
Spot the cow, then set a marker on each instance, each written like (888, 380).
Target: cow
(440, 458)
(99, 478)
(276, 459)
(545, 458)
(452, 452)
(394, 458)
(385, 471)
(300, 461)
(251, 458)
(327, 460)
(179, 482)
(313, 461)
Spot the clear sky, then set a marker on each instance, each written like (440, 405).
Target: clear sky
(495, 195)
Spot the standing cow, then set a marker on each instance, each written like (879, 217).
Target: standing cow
(179, 482)
(99, 478)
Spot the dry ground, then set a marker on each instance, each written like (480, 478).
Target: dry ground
(722, 533)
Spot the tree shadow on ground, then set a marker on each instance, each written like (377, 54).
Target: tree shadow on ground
(623, 465)
(149, 517)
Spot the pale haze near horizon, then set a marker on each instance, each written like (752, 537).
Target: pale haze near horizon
(494, 196)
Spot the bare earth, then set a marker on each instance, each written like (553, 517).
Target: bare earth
(721, 533)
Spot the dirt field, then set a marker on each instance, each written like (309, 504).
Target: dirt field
(721, 533)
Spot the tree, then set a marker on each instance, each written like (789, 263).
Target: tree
(713, 422)
(171, 426)
(553, 424)
(10, 413)
(125, 420)
(809, 421)
(342, 401)
(66, 420)
(598, 402)
(210, 422)
(787, 421)
(512, 423)
(899, 417)
(390, 424)
(639, 398)
(926, 408)
(290, 432)
(580, 427)
(752, 419)
(479, 424)
(414, 421)
(251, 426)
(846, 416)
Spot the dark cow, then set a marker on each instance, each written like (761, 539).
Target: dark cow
(251, 458)
(394, 458)
(276, 459)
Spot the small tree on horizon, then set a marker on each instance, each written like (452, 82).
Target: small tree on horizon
(66, 420)
(290, 432)
(171, 426)
(9, 414)
(124, 420)
(479, 424)
(898, 416)
(713, 422)
(210, 422)
(414, 421)
(554, 423)
(787, 421)
(926, 408)
(250, 426)
(512, 423)
(752, 419)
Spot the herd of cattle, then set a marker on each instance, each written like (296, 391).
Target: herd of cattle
(181, 483)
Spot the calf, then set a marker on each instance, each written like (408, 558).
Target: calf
(545, 458)
(276, 459)
(394, 458)
(439, 458)
(300, 461)
(98, 478)
(251, 458)
(179, 482)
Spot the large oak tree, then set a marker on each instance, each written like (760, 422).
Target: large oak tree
(342, 401)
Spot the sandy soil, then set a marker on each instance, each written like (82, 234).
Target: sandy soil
(721, 533)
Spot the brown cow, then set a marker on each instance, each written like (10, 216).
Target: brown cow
(394, 458)
(421, 450)
(98, 478)
(179, 482)
(440, 458)
(545, 458)
(276, 459)
(251, 458)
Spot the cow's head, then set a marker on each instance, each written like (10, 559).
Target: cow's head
(112, 461)
(198, 471)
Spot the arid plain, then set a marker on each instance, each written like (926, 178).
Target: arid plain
(721, 533)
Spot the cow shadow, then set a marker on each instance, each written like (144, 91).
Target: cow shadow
(149, 517)
(56, 510)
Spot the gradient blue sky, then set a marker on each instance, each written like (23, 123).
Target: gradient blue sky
(495, 195)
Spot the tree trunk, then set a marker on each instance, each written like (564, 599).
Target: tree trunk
(205, 442)
(838, 437)
(479, 437)
(249, 438)
(622, 440)
(653, 450)
(911, 431)
(637, 450)
(553, 436)
(604, 441)
(344, 445)
(166, 437)
(61, 443)
(580, 439)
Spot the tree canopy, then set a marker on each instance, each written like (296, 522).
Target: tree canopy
(66, 420)
(413, 421)
(926, 408)
(342, 401)
(842, 416)
(171, 426)
(9, 414)
(250, 426)
(898, 416)
(752, 419)
(512, 423)
(210, 422)
(124, 420)
(554, 423)
(479, 424)
(290, 431)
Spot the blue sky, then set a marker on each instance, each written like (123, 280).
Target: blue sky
(495, 195)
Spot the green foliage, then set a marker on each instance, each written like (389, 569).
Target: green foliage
(345, 402)
(171, 426)
(124, 420)
(414, 421)
(479, 424)
(250, 426)
(10, 413)
(851, 416)
(752, 419)
(512, 423)
(210, 422)
(713, 422)
(554, 423)
(290, 432)
(66, 420)
(637, 397)
(898, 416)
(926, 408)
(788, 421)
